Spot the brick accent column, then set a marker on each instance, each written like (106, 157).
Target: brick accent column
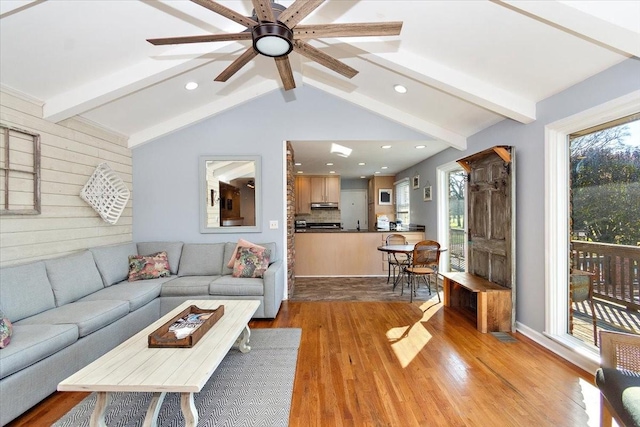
(291, 212)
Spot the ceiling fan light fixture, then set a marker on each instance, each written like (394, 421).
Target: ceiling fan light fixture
(272, 39)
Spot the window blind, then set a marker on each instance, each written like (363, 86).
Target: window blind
(402, 200)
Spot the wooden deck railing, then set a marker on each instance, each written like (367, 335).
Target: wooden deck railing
(617, 269)
(456, 249)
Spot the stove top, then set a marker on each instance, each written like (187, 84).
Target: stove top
(324, 225)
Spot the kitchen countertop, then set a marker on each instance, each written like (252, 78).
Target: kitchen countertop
(331, 253)
(353, 230)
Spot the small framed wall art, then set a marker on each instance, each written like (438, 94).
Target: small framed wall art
(385, 196)
(416, 181)
(426, 193)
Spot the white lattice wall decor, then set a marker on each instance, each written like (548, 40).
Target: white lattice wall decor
(106, 193)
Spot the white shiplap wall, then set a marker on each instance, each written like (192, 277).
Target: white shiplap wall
(70, 152)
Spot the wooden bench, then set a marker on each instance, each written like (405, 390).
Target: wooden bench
(487, 302)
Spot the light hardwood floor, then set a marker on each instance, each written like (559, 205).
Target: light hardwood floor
(401, 364)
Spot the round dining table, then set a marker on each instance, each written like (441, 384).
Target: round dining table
(401, 249)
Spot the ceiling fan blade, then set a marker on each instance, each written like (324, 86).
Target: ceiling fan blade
(226, 12)
(263, 10)
(348, 30)
(298, 11)
(239, 62)
(284, 68)
(200, 39)
(322, 58)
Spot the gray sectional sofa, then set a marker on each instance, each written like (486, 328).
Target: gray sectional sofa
(66, 312)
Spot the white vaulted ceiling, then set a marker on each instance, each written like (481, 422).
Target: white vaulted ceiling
(466, 64)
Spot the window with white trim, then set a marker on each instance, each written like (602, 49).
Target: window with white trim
(557, 230)
(19, 172)
(402, 201)
(604, 212)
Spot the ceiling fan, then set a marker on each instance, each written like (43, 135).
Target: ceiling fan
(275, 32)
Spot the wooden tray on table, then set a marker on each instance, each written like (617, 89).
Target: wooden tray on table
(185, 329)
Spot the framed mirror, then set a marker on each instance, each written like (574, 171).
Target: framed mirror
(230, 189)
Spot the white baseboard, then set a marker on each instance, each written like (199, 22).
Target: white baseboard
(573, 352)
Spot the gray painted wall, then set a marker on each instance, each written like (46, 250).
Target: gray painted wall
(354, 184)
(528, 141)
(165, 171)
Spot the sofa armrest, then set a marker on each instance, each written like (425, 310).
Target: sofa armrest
(273, 289)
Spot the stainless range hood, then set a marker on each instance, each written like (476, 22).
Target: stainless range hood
(324, 205)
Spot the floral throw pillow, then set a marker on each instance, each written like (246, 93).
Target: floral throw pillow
(149, 266)
(251, 262)
(6, 330)
(241, 243)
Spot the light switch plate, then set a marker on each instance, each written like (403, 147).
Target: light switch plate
(273, 224)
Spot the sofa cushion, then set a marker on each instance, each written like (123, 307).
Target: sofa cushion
(32, 343)
(173, 250)
(138, 294)
(73, 277)
(236, 286)
(25, 290)
(230, 247)
(88, 316)
(187, 286)
(6, 330)
(145, 267)
(201, 259)
(622, 390)
(113, 261)
(251, 262)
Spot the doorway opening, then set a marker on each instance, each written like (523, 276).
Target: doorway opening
(457, 220)
(452, 221)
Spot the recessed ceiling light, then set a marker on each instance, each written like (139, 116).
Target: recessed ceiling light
(300, 172)
(362, 176)
(386, 147)
(400, 89)
(377, 172)
(298, 164)
(329, 164)
(332, 171)
(420, 146)
(361, 164)
(191, 86)
(384, 167)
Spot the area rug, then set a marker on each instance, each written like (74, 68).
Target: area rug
(252, 389)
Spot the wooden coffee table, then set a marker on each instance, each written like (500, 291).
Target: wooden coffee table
(134, 367)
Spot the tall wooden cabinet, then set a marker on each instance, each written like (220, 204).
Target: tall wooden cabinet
(491, 217)
(303, 195)
(375, 184)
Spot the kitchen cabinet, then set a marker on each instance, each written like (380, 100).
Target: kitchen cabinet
(303, 195)
(325, 189)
